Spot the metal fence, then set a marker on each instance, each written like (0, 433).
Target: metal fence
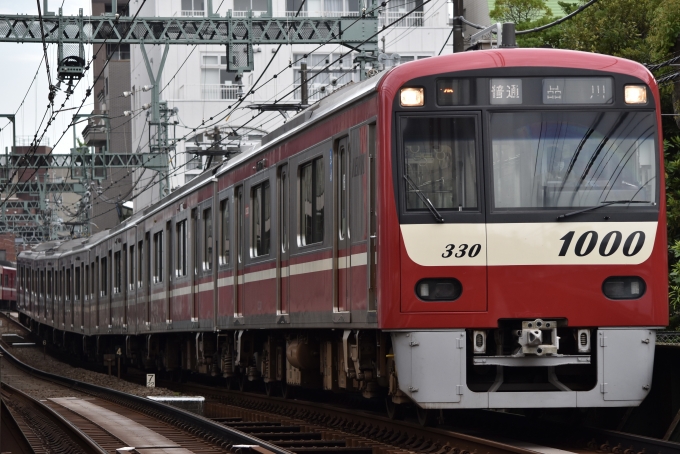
(668, 338)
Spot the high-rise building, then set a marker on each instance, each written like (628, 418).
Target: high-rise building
(199, 90)
(112, 187)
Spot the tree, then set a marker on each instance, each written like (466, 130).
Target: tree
(519, 11)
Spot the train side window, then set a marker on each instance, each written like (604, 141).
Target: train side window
(261, 219)
(312, 188)
(194, 232)
(158, 257)
(49, 283)
(140, 264)
(285, 203)
(86, 278)
(240, 225)
(117, 270)
(42, 283)
(131, 257)
(76, 288)
(103, 277)
(225, 247)
(7, 279)
(207, 239)
(92, 280)
(68, 284)
(181, 248)
(344, 183)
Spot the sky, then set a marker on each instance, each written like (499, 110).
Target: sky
(20, 63)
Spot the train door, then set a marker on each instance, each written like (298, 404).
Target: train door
(239, 265)
(284, 232)
(344, 251)
(372, 219)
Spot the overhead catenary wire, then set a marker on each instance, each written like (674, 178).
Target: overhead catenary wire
(88, 93)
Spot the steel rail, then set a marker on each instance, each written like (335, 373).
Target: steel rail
(150, 407)
(75, 434)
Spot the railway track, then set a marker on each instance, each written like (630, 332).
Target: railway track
(59, 414)
(309, 427)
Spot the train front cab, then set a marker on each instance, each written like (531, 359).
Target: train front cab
(531, 230)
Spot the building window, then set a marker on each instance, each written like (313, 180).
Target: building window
(193, 162)
(241, 7)
(216, 81)
(324, 74)
(118, 51)
(261, 201)
(225, 229)
(117, 270)
(322, 8)
(207, 239)
(192, 8)
(312, 193)
(103, 278)
(181, 248)
(393, 15)
(158, 257)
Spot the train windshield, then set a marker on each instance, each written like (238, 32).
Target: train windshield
(572, 159)
(440, 162)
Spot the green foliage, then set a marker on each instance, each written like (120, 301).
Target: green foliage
(519, 11)
(672, 160)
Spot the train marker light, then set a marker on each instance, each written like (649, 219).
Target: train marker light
(636, 94)
(479, 342)
(412, 97)
(624, 287)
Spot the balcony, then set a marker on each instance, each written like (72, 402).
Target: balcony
(414, 19)
(94, 133)
(245, 13)
(192, 13)
(323, 14)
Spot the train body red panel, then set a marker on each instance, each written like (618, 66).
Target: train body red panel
(480, 230)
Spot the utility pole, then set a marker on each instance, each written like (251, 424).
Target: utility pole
(458, 45)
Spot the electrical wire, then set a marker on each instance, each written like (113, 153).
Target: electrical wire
(558, 21)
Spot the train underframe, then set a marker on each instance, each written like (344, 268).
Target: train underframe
(518, 365)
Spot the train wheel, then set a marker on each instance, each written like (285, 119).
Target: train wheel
(394, 411)
(426, 418)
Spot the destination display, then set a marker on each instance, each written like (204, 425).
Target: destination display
(590, 90)
(455, 92)
(506, 91)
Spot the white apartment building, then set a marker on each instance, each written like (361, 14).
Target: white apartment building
(196, 83)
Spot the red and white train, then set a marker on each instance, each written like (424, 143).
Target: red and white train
(477, 230)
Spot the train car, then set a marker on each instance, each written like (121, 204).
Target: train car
(477, 230)
(8, 286)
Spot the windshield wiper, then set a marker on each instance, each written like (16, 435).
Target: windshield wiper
(597, 207)
(424, 199)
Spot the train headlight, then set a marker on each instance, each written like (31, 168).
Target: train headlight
(412, 97)
(439, 289)
(624, 287)
(636, 94)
